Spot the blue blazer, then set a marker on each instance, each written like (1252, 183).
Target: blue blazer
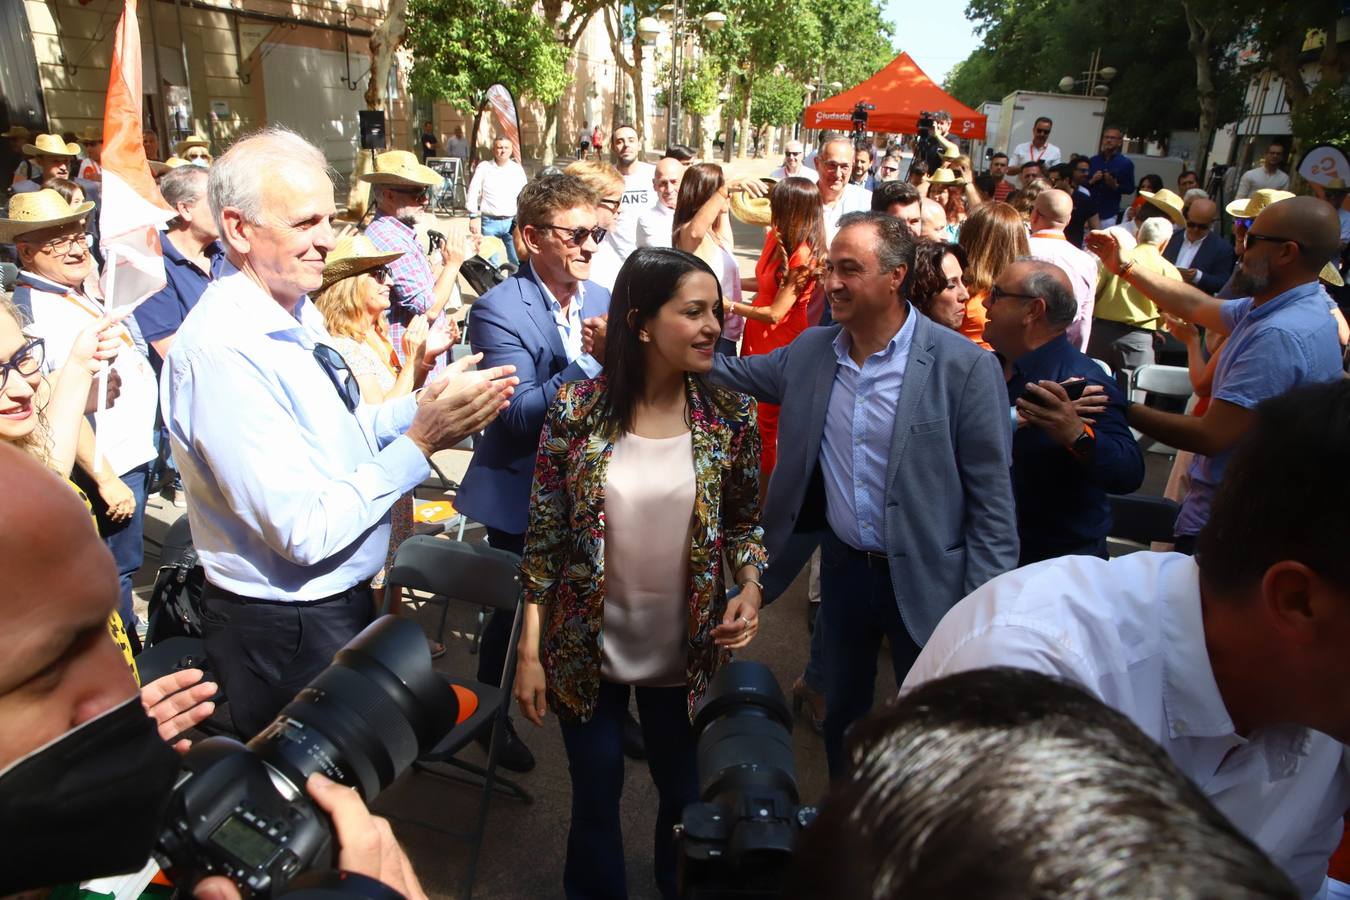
(950, 523)
(1215, 259)
(512, 325)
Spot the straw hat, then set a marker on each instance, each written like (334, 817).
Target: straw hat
(50, 145)
(1331, 276)
(91, 135)
(753, 210)
(945, 177)
(37, 210)
(173, 162)
(401, 167)
(353, 255)
(1252, 206)
(17, 131)
(1169, 203)
(186, 144)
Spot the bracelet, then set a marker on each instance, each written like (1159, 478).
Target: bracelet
(755, 582)
(1125, 270)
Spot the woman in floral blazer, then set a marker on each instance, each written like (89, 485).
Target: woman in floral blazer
(646, 486)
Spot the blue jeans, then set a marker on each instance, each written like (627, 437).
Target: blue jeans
(594, 869)
(857, 608)
(501, 228)
(126, 540)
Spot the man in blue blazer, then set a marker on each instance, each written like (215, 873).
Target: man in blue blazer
(1204, 258)
(535, 319)
(894, 445)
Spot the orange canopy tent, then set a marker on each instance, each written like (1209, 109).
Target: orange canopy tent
(900, 92)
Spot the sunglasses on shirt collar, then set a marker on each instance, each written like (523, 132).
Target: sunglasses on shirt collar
(338, 372)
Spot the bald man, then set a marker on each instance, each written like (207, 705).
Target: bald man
(934, 221)
(1049, 218)
(793, 163)
(1280, 335)
(653, 229)
(1203, 258)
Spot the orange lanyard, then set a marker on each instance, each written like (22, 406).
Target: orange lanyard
(74, 299)
(385, 350)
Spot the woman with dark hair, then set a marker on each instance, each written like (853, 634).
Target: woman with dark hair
(702, 226)
(786, 275)
(992, 237)
(936, 284)
(1151, 183)
(645, 489)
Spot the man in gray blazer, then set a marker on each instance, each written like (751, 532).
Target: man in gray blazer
(894, 445)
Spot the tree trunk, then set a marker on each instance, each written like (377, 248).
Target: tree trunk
(744, 144)
(634, 72)
(1206, 95)
(639, 97)
(552, 116)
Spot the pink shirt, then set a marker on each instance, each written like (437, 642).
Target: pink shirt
(1081, 267)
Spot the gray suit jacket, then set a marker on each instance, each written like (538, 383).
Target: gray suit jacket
(950, 521)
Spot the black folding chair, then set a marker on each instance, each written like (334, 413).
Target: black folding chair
(1138, 520)
(476, 575)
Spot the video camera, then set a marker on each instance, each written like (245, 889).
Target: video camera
(927, 147)
(860, 111)
(242, 811)
(738, 841)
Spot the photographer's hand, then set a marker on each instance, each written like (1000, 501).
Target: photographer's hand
(177, 702)
(366, 843)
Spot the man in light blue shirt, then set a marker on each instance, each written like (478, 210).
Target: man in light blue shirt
(893, 454)
(1280, 336)
(290, 478)
(1234, 661)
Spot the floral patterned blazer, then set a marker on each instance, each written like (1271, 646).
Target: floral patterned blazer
(564, 563)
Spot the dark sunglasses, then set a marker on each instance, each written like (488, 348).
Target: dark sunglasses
(997, 293)
(1042, 130)
(340, 374)
(790, 153)
(26, 360)
(575, 237)
(1275, 239)
(1198, 226)
(419, 193)
(380, 274)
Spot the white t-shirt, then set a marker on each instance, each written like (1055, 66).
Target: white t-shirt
(1025, 152)
(853, 199)
(780, 173)
(1258, 179)
(126, 430)
(638, 195)
(654, 226)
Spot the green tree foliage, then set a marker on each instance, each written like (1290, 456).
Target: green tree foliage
(1032, 44)
(462, 47)
(701, 87)
(776, 100)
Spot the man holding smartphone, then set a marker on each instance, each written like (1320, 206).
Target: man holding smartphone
(1063, 465)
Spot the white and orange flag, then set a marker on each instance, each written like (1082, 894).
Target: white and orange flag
(132, 208)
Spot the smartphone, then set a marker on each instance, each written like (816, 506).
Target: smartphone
(1074, 387)
(434, 241)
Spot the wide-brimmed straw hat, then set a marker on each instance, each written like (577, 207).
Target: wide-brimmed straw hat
(1168, 202)
(353, 255)
(50, 145)
(1331, 276)
(945, 177)
(401, 167)
(36, 210)
(91, 135)
(1259, 200)
(173, 162)
(182, 147)
(753, 210)
(16, 131)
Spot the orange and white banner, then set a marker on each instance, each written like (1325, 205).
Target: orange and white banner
(131, 209)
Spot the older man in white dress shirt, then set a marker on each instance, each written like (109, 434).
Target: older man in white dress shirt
(289, 477)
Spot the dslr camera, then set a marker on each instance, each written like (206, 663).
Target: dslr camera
(738, 840)
(242, 811)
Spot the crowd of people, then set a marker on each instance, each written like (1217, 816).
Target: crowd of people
(914, 398)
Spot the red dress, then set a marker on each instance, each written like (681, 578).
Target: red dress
(761, 337)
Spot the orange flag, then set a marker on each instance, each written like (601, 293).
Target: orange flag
(132, 208)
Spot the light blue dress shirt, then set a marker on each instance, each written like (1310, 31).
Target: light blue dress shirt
(856, 444)
(288, 492)
(569, 325)
(1130, 632)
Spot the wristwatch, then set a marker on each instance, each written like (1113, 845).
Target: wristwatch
(1085, 443)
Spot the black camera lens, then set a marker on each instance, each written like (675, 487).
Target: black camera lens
(364, 719)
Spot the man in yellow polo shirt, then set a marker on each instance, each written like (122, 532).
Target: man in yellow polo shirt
(1126, 320)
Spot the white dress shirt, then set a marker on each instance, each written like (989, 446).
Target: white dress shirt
(653, 228)
(289, 492)
(1081, 267)
(127, 428)
(1129, 631)
(1027, 152)
(802, 172)
(853, 199)
(494, 189)
(569, 325)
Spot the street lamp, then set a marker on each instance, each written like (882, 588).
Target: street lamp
(1094, 80)
(835, 86)
(680, 31)
(648, 29)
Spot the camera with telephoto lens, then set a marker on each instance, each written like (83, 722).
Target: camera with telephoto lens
(738, 841)
(243, 812)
